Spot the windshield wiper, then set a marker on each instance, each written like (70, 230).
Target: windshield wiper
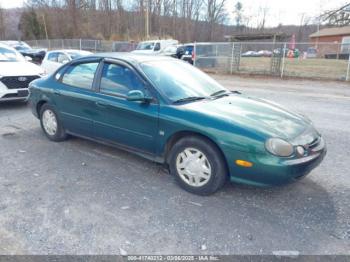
(220, 92)
(189, 99)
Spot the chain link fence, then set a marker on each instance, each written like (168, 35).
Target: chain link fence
(304, 60)
(84, 44)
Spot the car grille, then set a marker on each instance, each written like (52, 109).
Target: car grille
(15, 82)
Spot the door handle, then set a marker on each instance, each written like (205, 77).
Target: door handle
(101, 104)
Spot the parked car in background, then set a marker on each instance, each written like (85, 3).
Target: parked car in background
(202, 55)
(279, 51)
(154, 46)
(311, 52)
(15, 74)
(36, 54)
(250, 54)
(169, 51)
(185, 52)
(54, 59)
(170, 112)
(264, 53)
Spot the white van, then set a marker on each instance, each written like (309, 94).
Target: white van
(154, 46)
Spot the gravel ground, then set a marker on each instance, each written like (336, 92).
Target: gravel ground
(80, 197)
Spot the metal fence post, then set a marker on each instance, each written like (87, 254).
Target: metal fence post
(95, 46)
(232, 50)
(348, 69)
(283, 58)
(194, 55)
(80, 43)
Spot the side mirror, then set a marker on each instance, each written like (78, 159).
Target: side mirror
(137, 95)
(28, 58)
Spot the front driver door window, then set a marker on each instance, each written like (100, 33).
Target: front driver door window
(119, 80)
(130, 123)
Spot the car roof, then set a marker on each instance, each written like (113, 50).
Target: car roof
(7, 46)
(127, 57)
(68, 50)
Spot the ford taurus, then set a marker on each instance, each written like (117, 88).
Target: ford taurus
(172, 113)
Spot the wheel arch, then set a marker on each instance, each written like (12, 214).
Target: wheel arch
(174, 138)
(39, 106)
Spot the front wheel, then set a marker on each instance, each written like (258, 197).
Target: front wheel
(198, 165)
(51, 124)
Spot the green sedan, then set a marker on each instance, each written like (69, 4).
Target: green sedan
(172, 113)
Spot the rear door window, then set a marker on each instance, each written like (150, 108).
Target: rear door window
(80, 75)
(62, 58)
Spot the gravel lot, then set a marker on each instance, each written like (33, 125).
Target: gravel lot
(79, 197)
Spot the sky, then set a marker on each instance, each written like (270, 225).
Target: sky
(278, 11)
(284, 11)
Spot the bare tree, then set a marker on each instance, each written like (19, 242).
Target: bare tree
(304, 21)
(2, 23)
(215, 14)
(263, 13)
(337, 17)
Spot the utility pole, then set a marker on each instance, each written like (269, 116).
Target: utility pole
(147, 19)
(47, 37)
(318, 23)
(174, 19)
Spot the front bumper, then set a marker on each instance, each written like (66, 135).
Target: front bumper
(14, 94)
(269, 170)
(14, 88)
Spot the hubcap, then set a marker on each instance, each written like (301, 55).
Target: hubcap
(49, 122)
(193, 167)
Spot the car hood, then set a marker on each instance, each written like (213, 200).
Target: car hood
(257, 115)
(22, 68)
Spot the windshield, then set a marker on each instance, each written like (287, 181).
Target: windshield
(10, 55)
(145, 46)
(178, 80)
(75, 55)
(21, 48)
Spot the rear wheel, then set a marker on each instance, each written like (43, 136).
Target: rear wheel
(51, 124)
(197, 165)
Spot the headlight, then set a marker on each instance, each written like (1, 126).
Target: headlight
(279, 147)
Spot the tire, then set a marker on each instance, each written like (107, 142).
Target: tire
(56, 134)
(203, 157)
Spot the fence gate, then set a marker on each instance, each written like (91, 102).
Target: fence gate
(276, 60)
(235, 57)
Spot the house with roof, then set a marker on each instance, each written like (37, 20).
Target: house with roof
(333, 42)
